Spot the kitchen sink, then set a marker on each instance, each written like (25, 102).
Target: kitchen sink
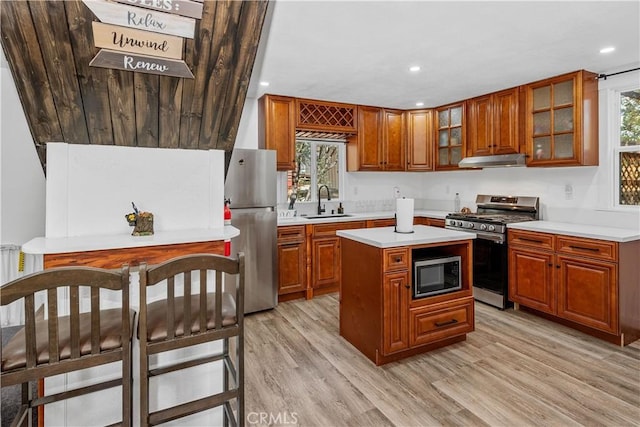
(324, 216)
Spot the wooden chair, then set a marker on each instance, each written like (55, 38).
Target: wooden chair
(62, 344)
(208, 316)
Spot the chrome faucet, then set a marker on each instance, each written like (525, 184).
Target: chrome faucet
(320, 208)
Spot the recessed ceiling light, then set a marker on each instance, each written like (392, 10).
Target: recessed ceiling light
(414, 68)
(419, 104)
(607, 49)
(264, 83)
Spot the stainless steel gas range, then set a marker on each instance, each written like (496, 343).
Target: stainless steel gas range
(490, 252)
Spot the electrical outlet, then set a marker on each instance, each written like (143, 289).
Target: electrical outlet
(568, 192)
(355, 190)
(396, 192)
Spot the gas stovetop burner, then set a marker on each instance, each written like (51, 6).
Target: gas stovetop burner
(491, 218)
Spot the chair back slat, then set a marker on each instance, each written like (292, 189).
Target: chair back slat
(52, 309)
(218, 318)
(203, 301)
(187, 303)
(95, 320)
(171, 309)
(74, 323)
(30, 330)
(240, 290)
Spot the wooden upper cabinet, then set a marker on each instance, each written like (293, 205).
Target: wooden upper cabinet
(450, 136)
(277, 129)
(325, 116)
(419, 140)
(493, 123)
(380, 143)
(369, 140)
(393, 140)
(562, 121)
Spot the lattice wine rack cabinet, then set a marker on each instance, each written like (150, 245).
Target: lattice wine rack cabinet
(325, 116)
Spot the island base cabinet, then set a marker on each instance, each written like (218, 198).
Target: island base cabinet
(439, 321)
(587, 293)
(378, 315)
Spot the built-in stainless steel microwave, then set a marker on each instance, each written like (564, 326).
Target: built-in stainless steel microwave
(435, 276)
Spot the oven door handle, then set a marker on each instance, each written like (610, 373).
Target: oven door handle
(495, 238)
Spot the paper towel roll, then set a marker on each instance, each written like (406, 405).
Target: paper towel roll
(404, 215)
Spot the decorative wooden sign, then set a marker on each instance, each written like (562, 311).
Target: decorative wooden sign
(141, 64)
(142, 19)
(177, 7)
(136, 41)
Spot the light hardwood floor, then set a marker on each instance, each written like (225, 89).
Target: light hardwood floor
(514, 370)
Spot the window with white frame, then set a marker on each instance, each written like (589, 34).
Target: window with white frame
(627, 150)
(318, 163)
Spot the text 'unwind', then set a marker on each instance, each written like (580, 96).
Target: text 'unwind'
(121, 40)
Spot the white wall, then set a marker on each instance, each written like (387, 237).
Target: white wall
(90, 188)
(248, 127)
(22, 201)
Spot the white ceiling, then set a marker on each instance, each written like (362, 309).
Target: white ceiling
(359, 51)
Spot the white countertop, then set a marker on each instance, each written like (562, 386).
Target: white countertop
(56, 245)
(580, 230)
(385, 237)
(301, 220)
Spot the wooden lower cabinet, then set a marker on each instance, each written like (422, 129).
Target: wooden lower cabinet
(531, 279)
(588, 284)
(292, 269)
(326, 262)
(587, 292)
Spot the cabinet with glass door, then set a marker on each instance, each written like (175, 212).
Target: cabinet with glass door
(450, 136)
(562, 121)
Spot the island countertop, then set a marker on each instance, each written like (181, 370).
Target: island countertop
(385, 237)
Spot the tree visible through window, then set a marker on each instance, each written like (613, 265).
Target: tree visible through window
(317, 163)
(629, 150)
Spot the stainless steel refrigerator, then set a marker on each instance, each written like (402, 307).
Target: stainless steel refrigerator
(250, 185)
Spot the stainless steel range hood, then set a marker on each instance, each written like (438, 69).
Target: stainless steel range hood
(499, 161)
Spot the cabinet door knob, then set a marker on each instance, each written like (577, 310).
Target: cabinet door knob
(398, 259)
(408, 286)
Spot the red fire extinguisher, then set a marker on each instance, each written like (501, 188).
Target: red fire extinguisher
(227, 221)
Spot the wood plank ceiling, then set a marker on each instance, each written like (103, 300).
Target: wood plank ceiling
(49, 44)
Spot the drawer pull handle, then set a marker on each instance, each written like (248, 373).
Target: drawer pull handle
(398, 259)
(526, 239)
(582, 248)
(448, 322)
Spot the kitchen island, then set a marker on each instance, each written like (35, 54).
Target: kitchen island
(378, 312)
